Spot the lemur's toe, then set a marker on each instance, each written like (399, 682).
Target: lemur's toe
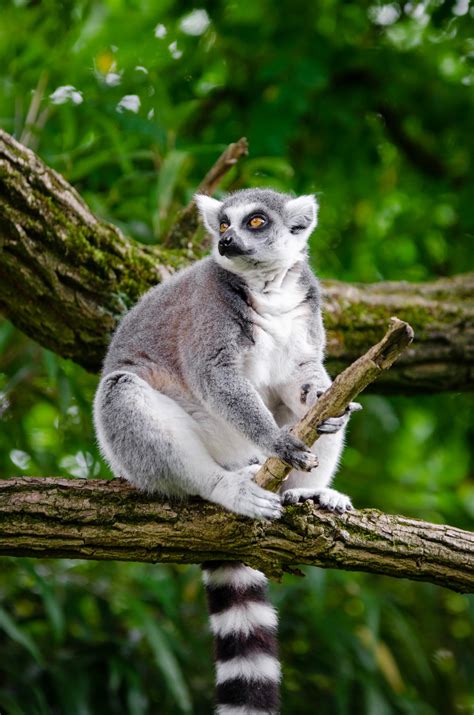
(329, 499)
(333, 500)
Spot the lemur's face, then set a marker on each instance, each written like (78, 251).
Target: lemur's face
(258, 227)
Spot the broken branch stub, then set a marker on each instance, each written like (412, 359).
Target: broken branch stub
(187, 223)
(345, 388)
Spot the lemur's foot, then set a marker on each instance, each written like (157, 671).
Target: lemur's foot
(326, 498)
(294, 452)
(239, 493)
(334, 424)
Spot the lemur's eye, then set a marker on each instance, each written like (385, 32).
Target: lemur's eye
(256, 222)
(224, 225)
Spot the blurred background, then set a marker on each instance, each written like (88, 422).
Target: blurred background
(370, 106)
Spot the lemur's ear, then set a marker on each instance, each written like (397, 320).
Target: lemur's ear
(209, 209)
(302, 213)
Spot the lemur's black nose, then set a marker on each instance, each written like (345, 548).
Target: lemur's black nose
(226, 241)
(230, 244)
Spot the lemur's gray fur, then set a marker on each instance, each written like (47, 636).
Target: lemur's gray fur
(204, 376)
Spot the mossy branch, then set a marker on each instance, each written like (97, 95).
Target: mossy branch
(89, 519)
(66, 277)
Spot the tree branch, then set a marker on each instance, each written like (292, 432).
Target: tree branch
(440, 312)
(335, 400)
(184, 229)
(86, 519)
(66, 277)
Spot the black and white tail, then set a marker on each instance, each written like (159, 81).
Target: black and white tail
(244, 625)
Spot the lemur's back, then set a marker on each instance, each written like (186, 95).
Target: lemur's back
(168, 320)
(156, 322)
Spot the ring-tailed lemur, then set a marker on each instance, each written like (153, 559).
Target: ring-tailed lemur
(201, 382)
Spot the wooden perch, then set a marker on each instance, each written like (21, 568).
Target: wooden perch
(344, 389)
(187, 223)
(92, 519)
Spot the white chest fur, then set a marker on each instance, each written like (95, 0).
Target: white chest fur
(281, 322)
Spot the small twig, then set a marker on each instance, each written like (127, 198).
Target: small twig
(225, 162)
(187, 223)
(347, 385)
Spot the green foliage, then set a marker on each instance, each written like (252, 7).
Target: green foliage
(369, 106)
(91, 637)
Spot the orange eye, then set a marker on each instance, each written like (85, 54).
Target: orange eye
(256, 222)
(223, 226)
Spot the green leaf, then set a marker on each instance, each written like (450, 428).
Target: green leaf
(51, 603)
(167, 179)
(164, 657)
(18, 635)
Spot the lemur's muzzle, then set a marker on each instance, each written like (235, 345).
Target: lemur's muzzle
(230, 244)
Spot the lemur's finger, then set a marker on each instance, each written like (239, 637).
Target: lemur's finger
(354, 407)
(306, 461)
(333, 424)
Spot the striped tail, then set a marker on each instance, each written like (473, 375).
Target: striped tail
(244, 625)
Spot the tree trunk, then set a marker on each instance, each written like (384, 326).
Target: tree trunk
(75, 518)
(66, 277)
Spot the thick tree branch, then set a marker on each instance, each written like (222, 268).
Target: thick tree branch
(66, 277)
(75, 518)
(441, 313)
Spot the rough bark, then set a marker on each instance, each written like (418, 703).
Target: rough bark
(336, 399)
(441, 313)
(66, 277)
(75, 518)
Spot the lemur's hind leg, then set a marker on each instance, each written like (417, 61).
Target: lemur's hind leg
(149, 439)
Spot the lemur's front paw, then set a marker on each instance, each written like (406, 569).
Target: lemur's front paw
(334, 424)
(326, 498)
(294, 452)
(309, 395)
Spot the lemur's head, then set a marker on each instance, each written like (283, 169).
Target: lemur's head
(258, 227)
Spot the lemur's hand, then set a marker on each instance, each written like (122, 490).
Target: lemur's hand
(309, 395)
(293, 451)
